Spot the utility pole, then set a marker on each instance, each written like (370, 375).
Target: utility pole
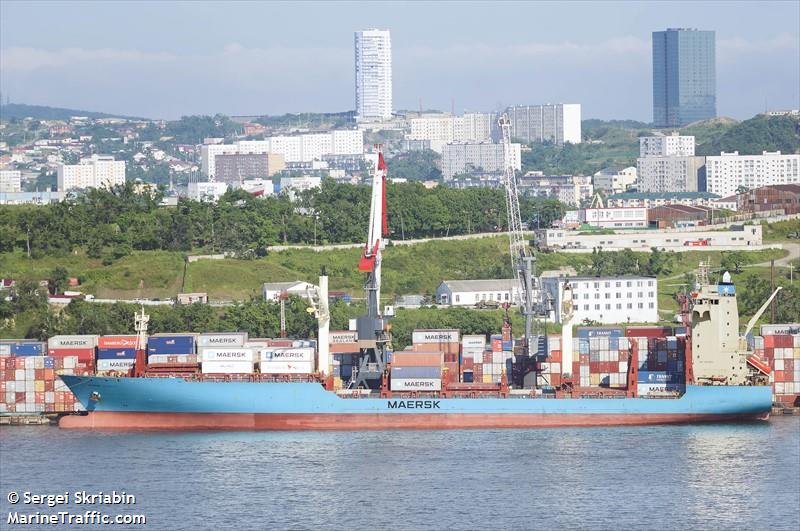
(772, 289)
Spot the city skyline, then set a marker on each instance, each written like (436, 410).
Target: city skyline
(195, 59)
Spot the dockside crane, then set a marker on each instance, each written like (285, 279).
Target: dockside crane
(523, 263)
(372, 329)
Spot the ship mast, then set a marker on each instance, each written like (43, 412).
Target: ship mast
(372, 332)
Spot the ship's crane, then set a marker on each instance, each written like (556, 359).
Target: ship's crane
(372, 329)
(522, 262)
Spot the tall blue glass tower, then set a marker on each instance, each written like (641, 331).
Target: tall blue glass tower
(684, 77)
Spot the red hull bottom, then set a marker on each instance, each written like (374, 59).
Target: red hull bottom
(344, 422)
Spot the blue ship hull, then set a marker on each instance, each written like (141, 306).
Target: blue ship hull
(174, 403)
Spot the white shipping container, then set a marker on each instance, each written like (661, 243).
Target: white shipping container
(475, 354)
(30, 374)
(72, 342)
(176, 358)
(779, 329)
(233, 339)
(114, 365)
(779, 365)
(5, 350)
(338, 338)
(474, 342)
(286, 367)
(497, 357)
(555, 367)
(498, 368)
(435, 336)
(70, 362)
(19, 374)
(11, 386)
(780, 388)
(624, 343)
(796, 340)
(416, 384)
(487, 368)
(226, 367)
(623, 366)
(227, 354)
(545, 367)
(306, 354)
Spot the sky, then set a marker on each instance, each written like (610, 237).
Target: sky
(168, 59)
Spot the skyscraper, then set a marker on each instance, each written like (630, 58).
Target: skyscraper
(684, 77)
(373, 49)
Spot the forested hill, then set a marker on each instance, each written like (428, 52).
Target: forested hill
(43, 112)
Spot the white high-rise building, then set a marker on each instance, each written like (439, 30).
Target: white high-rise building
(441, 129)
(373, 49)
(670, 174)
(729, 171)
(666, 146)
(97, 171)
(556, 123)
(482, 158)
(299, 148)
(10, 181)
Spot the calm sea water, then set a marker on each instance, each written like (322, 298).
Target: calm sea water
(725, 476)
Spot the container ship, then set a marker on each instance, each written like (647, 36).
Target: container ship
(707, 373)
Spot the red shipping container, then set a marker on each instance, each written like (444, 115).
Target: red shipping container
(417, 360)
(769, 342)
(49, 408)
(49, 374)
(117, 341)
(779, 376)
(83, 354)
(39, 397)
(2, 388)
(38, 374)
(648, 331)
(49, 385)
(19, 363)
(788, 366)
(469, 363)
(555, 379)
(784, 341)
(10, 364)
(497, 345)
(487, 357)
(555, 356)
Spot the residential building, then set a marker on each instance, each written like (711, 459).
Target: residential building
(236, 167)
(614, 180)
(298, 148)
(556, 123)
(674, 145)
(738, 237)
(569, 189)
(443, 128)
(727, 173)
(654, 199)
(606, 300)
(471, 292)
(784, 197)
(299, 184)
(481, 158)
(614, 217)
(684, 77)
(671, 174)
(273, 291)
(10, 181)
(207, 191)
(373, 54)
(97, 171)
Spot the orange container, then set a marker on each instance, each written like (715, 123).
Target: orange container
(417, 359)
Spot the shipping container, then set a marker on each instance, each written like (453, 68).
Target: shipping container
(287, 367)
(183, 359)
(780, 329)
(228, 339)
(287, 354)
(117, 342)
(82, 354)
(416, 384)
(242, 354)
(435, 336)
(416, 372)
(116, 353)
(81, 341)
(474, 342)
(226, 367)
(424, 359)
(121, 365)
(587, 332)
(171, 344)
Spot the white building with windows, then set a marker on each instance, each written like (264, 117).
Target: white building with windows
(297, 148)
(444, 128)
(373, 48)
(10, 181)
(670, 174)
(606, 300)
(476, 158)
(97, 171)
(673, 145)
(729, 171)
(471, 292)
(614, 180)
(556, 123)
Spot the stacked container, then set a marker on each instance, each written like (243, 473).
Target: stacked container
(116, 353)
(168, 350)
(29, 380)
(498, 360)
(780, 345)
(472, 349)
(80, 346)
(225, 353)
(417, 371)
(272, 360)
(446, 341)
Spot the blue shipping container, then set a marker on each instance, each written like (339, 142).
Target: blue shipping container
(27, 349)
(468, 377)
(116, 353)
(49, 363)
(508, 345)
(416, 372)
(346, 371)
(170, 345)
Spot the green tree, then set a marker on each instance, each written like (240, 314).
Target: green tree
(59, 280)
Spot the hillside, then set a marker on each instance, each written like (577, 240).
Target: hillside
(43, 112)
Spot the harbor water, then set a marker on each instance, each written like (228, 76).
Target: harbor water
(719, 476)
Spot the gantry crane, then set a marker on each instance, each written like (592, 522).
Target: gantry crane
(372, 329)
(523, 263)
